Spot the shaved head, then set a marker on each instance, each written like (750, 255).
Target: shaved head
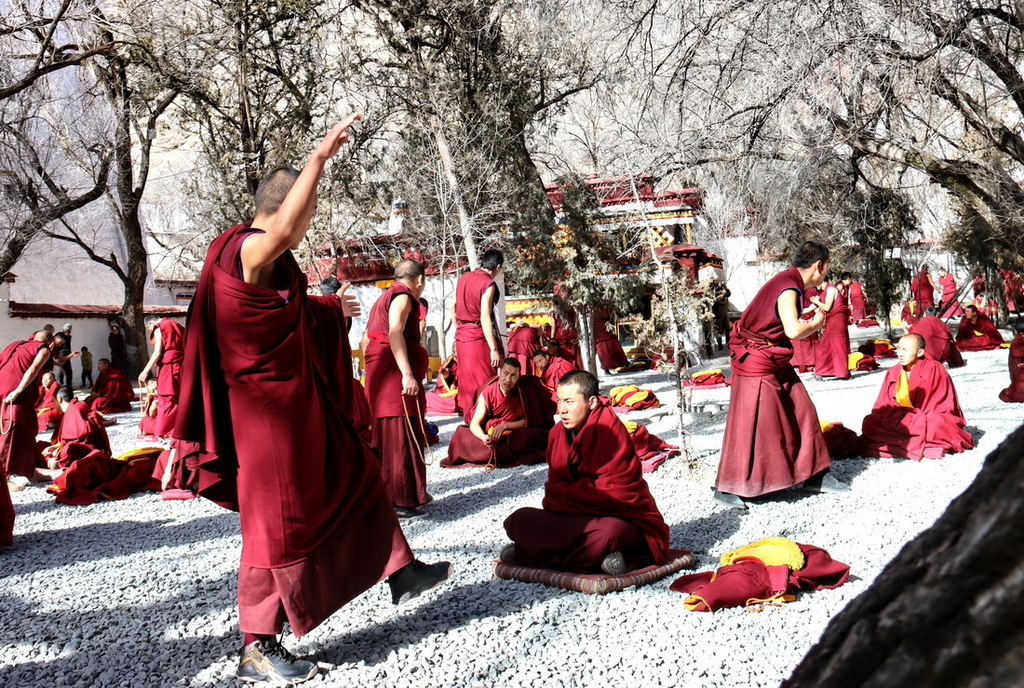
(408, 269)
(913, 336)
(272, 190)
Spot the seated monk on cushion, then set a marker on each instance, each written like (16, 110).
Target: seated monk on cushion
(147, 424)
(917, 414)
(1015, 392)
(939, 344)
(599, 514)
(509, 425)
(80, 432)
(977, 331)
(112, 392)
(550, 369)
(47, 413)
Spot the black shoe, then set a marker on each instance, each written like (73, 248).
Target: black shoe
(413, 579)
(430, 499)
(614, 564)
(730, 500)
(510, 555)
(272, 662)
(407, 513)
(825, 482)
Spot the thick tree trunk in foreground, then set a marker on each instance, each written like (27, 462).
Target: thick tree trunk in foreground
(949, 610)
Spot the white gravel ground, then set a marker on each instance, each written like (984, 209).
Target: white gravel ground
(141, 592)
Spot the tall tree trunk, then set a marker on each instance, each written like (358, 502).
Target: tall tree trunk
(947, 611)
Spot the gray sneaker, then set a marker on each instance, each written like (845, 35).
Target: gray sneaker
(272, 662)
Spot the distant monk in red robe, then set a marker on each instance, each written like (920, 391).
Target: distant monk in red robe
(523, 340)
(168, 339)
(805, 351)
(47, 412)
(1015, 392)
(598, 513)
(112, 392)
(511, 418)
(610, 354)
(858, 298)
(976, 332)
(147, 424)
(950, 303)
(80, 432)
(396, 364)
(476, 338)
(550, 370)
(923, 288)
(21, 364)
(772, 436)
(911, 313)
(917, 414)
(275, 442)
(939, 343)
(831, 358)
(568, 337)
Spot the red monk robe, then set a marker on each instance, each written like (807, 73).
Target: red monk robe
(399, 434)
(609, 348)
(18, 423)
(112, 392)
(596, 501)
(554, 368)
(950, 305)
(923, 290)
(48, 414)
(911, 313)
(831, 358)
(858, 302)
(471, 346)
(927, 424)
(345, 391)
(939, 343)
(568, 338)
(977, 332)
(805, 351)
(528, 400)
(80, 433)
(1015, 392)
(168, 379)
(523, 341)
(772, 436)
(317, 528)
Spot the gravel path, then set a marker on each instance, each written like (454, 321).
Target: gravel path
(141, 592)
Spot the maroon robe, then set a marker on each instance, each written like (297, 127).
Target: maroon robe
(471, 347)
(556, 368)
(48, 414)
(344, 390)
(1015, 392)
(933, 427)
(832, 356)
(911, 312)
(938, 341)
(950, 305)
(594, 476)
(979, 334)
(609, 348)
(168, 379)
(568, 339)
(529, 399)
(922, 290)
(858, 304)
(112, 392)
(772, 436)
(805, 350)
(18, 429)
(399, 434)
(277, 446)
(80, 433)
(523, 341)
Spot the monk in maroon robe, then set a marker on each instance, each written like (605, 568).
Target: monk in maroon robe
(950, 303)
(274, 441)
(772, 436)
(939, 343)
(21, 364)
(911, 313)
(168, 339)
(832, 355)
(567, 335)
(47, 412)
(923, 288)
(112, 392)
(523, 340)
(1015, 392)
(476, 338)
(345, 389)
(977, 332)
(511, 418)
(550, 370)
(609, 349)
(598, 513)
(805, 351)
(396, 363)
(917, 413)
(858, 299)
(80, 432)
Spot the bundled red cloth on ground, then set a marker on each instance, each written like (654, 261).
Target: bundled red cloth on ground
(708, 378)
(878, 348)
(633, 397)
(867, 322)
(768, 571)
(840, 440)
(859, 361)
(652, 450)
(97, 476)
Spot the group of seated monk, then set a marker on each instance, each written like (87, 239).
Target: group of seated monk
(112, 391)
(79, 433)
(977, 332)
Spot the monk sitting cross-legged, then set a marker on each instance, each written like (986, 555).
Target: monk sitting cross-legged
(917, 414)
(80, 432)
(47, 413)
(112, 392)
(977, 332)
(509, 425)
(550, 370)
(598, 513)
(1015, 392)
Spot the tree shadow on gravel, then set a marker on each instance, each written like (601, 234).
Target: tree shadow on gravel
(126, 644)
(702, 535)
(481, 490)
(47, 549)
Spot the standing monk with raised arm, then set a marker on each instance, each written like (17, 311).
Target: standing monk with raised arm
(772, 436)
(476, 338)
(168, 339)
(275, 443)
